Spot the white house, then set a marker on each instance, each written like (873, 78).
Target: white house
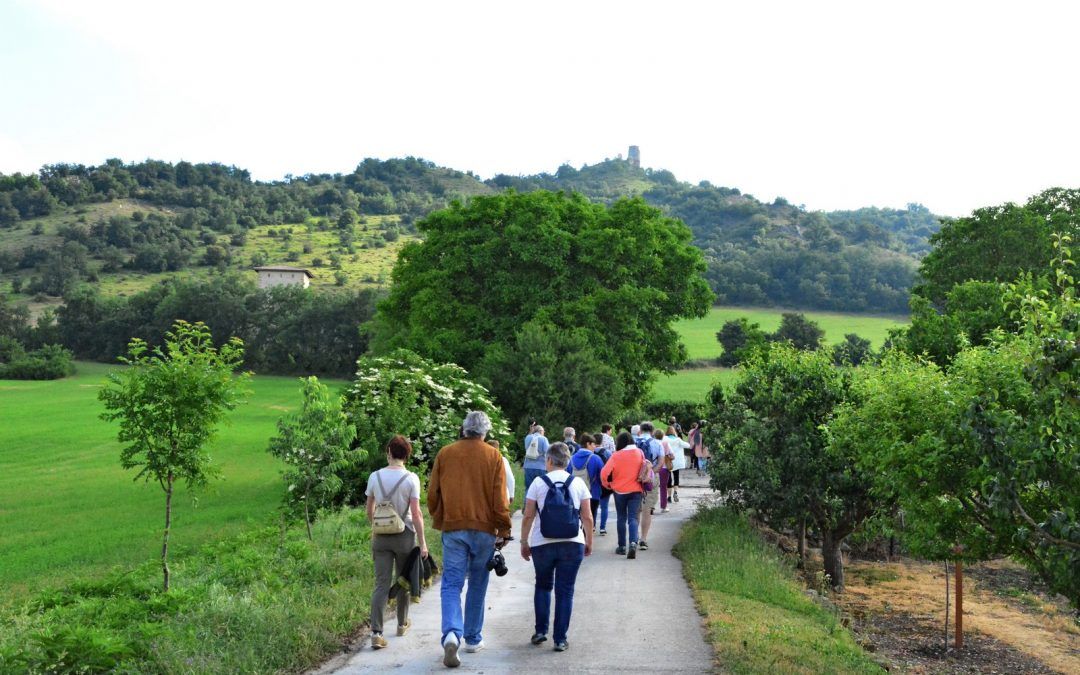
(284, 276)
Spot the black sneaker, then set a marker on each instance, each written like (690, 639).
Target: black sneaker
(632, 553)
(675, 497)
(562, 646)
(643, 545)
(538, 638)
(621, 550)
(603, 532)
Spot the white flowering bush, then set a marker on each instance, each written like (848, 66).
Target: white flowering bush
(403, 393)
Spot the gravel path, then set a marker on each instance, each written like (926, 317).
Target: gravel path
(613, 627)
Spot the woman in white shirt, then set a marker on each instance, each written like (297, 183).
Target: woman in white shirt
(400, 487)
(555, 560)
(678, 462)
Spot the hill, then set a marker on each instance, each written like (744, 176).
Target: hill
(125, 226)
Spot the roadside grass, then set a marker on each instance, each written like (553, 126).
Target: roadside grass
(757, 617)
(699, 335)
(67, 509)
(264, 601)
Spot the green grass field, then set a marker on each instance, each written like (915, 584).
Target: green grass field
(692, 384)
(67, 509)
(699, 335)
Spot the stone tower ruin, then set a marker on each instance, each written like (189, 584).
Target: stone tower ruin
(634, 156)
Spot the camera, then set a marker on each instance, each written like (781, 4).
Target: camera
(497, 564)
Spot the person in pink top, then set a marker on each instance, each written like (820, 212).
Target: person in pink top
(620, 475)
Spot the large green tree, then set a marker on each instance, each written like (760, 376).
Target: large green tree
(620, 274)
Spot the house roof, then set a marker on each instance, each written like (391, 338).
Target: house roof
(282, 268)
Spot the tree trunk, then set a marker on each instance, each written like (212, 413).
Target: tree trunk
(168, 524)
(307, 519)
(833, 559)
(802, 543)
(958, 639)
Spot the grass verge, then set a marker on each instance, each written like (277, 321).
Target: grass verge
(264, 601)
(758, 619)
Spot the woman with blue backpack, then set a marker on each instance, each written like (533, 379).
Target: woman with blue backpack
(557, 541)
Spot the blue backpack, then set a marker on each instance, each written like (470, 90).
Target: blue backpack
(645, 444)
(560, 517)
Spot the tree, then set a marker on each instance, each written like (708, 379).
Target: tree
(801, 332)
(621, 274)
(316, 444)
(772, 453)
(853, 351)
(998, 243)
(169, 403)
(739, 338)
(552, 374)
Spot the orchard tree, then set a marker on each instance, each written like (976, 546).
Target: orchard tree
(316, 444)
(853, 351)
(619, 274)
(772, 452)
(739, 338)
(169, 402)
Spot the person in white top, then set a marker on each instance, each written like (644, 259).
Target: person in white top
(511, 482)
(678, 462)
(555, 560)
(400, 487)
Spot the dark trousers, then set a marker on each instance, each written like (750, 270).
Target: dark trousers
(626, 509)
(556, 566)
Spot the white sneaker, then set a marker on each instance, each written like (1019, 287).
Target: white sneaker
(472, 649)
(450, 647)
(663, 510)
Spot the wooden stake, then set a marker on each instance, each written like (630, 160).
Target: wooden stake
(959, 635)
(946, 605)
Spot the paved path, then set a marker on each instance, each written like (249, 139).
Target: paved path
(612, 629)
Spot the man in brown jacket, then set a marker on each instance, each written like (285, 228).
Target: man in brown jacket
(468, 504)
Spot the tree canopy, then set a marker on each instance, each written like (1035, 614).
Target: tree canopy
(620, 274)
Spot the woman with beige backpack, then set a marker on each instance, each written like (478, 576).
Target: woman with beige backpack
(397, 526)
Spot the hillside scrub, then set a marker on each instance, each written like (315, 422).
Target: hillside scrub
(269, 600)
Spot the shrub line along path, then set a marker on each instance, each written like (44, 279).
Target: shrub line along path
(629, 615)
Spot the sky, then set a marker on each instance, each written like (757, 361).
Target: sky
(834, 105)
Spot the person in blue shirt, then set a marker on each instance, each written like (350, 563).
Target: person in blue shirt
(654, 452)
(585, 463)
(534, 468)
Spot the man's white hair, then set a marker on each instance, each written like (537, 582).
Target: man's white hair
(476, 424)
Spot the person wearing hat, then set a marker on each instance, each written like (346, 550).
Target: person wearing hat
(468, 504)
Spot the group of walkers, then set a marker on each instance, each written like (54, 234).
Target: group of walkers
(569, 487)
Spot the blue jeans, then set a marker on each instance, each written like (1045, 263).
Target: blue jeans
(530, 476)
(556, 566)
(604, 501)
(626, 509)
(465, 552)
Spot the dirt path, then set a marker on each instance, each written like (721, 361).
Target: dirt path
(629, 615)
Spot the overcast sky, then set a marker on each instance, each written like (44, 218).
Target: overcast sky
(829, 104)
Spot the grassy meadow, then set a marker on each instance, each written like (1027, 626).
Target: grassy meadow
(699, 335)
(67, 509)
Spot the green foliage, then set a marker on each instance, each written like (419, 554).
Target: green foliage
(684, 412)
(168, 403)
(771, 452)
(983, 457)
(48, 362)
(739, 338)
(800, 332)
(285, 329)
(549, 373)
(853, 351)
(972, 311)
(757, 615)
(315, 443)
(487, 268)
(998, 243)
(403, 393)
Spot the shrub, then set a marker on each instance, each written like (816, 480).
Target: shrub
(405, 394)
(50, 362)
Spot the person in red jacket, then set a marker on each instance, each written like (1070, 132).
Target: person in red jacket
(620, 475)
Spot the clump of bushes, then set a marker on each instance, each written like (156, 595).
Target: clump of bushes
(49, 362)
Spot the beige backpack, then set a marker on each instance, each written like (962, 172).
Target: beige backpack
(386, 519)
